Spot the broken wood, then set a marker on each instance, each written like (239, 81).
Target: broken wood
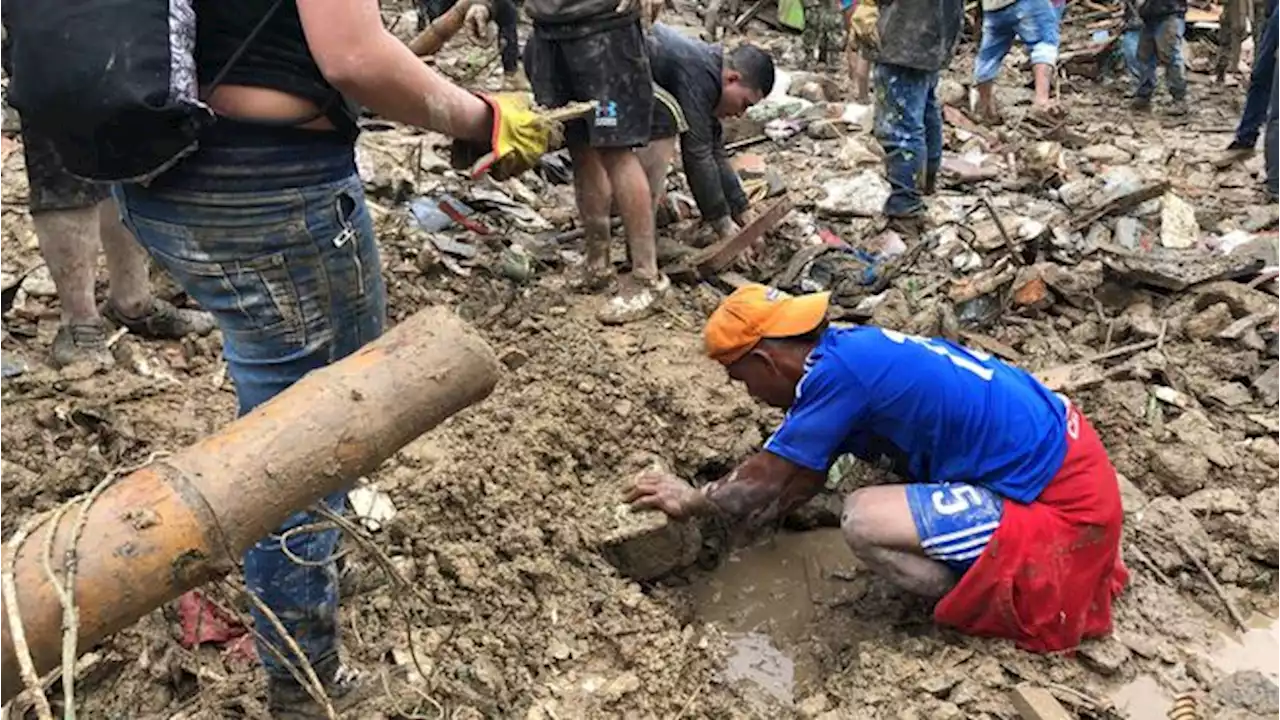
(991, 345)
(713, 259)
(1035, 703)
(1232, 610)
(180, 522)
(443, 28)
(737, 145)
(749, 13)
(1120, 204)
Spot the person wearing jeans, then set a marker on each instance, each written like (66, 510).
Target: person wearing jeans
(1272, 146)
(908, 124)
(267, 227)
(1261, 80)
(916, 39)
(1034, 22)
(1160, 43)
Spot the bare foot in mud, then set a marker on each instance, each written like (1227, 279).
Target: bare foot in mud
(636, 299)
(590, 278)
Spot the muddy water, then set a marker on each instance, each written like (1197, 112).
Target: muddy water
(769, 598)
(1257, 649)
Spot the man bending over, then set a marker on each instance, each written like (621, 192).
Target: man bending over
(1009, 511)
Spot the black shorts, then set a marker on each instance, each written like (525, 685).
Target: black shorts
(607, 63)
(668, 118)
(51, 187)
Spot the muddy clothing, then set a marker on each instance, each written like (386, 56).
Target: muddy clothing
(919, 34)
(1034, 22)
(690, 70)
(1052, 569)
(823, 35)
(605, 61)
(267, 228)
(668, 117)
(52, 187)
(556, 12)
(1160, 45)
(278, 58)
(1156, 9)
(908, 125)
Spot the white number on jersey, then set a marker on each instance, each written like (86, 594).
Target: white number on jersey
(971, 360)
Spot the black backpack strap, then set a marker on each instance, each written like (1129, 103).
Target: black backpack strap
(235, 56)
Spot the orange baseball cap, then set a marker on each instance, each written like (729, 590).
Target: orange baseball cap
(755, 312)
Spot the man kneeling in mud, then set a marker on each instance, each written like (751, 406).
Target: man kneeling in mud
(1010, 512)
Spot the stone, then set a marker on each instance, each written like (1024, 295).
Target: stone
(514, 358)
(1248, 690)
(1178, 226)
(619, 687)
(1194, 429)
(1266, 449)
(1267, 385)
(1106, 154)
(1231, 395)
(1208, 322)
(39, 283)
(939, 684)
(1132, 499)
(1076, 283)
(951, 92)
(1127, 232)
(856, 151)
(456, 563)
(813, 706)
(863, 195)
(647, 545)
(1167, 517)
(1262, 531)
(1104, 655)
(1181, 470)
(1216, 501)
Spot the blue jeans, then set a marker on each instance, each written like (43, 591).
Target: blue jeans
(1129, 50)
(276, 241)
(1260, 81)
(1160, 43)
(908, 124)
(1271, 149)
(1035, 22)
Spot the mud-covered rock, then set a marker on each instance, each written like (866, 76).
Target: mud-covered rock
(1215, 501)
(1104, 655)
(648, 545)
(1182, 470)
(1196, 430)
(1247, 690)
(813, 706)
(1166, 517)
(1208, 322)
(1263, 529)
(1132, 499)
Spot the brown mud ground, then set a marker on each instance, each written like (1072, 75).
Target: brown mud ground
(502, 508)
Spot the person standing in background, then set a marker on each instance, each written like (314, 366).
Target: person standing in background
(916, 40)
(1160, 44)
(1258, 100)
(1035, 22)
(506, 16)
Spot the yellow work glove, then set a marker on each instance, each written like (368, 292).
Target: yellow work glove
(862, 26)
(518, 139)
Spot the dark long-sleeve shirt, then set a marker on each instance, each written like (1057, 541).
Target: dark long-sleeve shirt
(690, 70)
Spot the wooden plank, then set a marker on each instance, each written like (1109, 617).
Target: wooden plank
(1034, 703)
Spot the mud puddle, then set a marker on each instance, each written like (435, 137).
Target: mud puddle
(775, 601)
(1257, 649)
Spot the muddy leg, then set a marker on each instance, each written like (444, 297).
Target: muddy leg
(593, 195)
(655, 158)
(630, 190)
(69, 245)
(127, 263)
(878, 526)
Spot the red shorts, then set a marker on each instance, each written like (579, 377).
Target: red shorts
(1052, 568)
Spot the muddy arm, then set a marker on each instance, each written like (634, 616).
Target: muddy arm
(181, 522)
(763, 488)
(429, 41)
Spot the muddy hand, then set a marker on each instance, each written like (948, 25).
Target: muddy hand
(477, 23)
(657, 490)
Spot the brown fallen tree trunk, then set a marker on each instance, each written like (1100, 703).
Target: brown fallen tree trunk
(180, 522)
(429, 41)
